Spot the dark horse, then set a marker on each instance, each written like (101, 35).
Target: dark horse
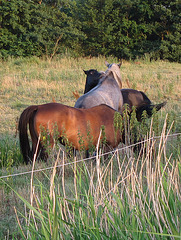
(67, 123)
(107, 91)
(131, 97)
(92, 79)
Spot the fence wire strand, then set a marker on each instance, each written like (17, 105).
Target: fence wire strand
(85, 159)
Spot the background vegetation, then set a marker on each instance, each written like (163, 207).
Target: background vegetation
(124, 29)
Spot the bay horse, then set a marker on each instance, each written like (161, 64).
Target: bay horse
(131, 97)
(107, 91)
(67, 123)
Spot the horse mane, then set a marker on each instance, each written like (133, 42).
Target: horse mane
(114, 68)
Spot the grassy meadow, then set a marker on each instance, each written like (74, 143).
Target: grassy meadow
(126, 196)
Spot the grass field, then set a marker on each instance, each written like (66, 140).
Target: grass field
(34, 81)
(127, 197)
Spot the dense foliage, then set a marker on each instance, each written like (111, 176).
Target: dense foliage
(126, 29)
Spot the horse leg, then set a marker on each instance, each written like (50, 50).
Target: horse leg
(87, 154)
(43, 153)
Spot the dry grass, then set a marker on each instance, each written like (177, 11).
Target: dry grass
(28, 82)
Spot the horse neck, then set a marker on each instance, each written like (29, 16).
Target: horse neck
(117, 77)
(115, 70)
(109, 82)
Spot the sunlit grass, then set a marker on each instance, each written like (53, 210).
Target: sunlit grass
(35, 81)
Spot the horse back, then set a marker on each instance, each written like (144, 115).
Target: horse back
(135, 98)
(76, 124)
(51, 114)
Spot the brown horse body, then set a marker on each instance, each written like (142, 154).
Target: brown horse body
(75, 125)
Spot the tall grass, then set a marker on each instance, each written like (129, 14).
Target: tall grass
(10, 154)
(130, 198)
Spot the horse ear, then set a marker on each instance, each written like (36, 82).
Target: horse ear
(86, 72)
(107, 64)
(119, 64)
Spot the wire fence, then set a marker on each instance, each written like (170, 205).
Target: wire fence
(86, 159)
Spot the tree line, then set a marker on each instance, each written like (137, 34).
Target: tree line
(127, 29)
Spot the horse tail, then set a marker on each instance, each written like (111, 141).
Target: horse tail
(26, 118)
(149, 110)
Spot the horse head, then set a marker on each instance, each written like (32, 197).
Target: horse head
(109, 65)
(92, 79)
(115, 69)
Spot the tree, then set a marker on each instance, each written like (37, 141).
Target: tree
(167, 20)
(130, 28)
(126, 29)
(28, 28)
